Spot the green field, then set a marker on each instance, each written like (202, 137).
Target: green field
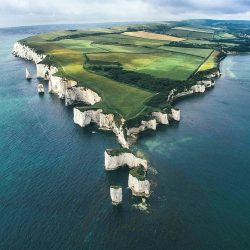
(210, 63)
(93, 58)
(172, 65)
(191, 33)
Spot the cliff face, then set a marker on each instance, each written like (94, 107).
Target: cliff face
(138, 187)
(161, 118)
(175, 115)
(64, 88)
(44, 71)
(116, 195)
(126, 136)
(27, 53)
(103, 121)
(81, 94)
(59, 85)
(85, 118)
(199, 87)
(113, 162)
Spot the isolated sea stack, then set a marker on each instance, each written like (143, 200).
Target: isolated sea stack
(40, 89)
(116, 195)
(138, 183)
(27, 74)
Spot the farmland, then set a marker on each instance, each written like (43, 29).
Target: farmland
(166, 64)
(210, 63)
(134, 62)
(154, 36)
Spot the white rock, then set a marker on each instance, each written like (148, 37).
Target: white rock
(59, 85)
(40, 88)
(81, 94)
(150, 124)
(122, 159)
(43, 71)
(103, 121)
(27, 53)
(198, 88)
(139, 188)
(116, 195)
(176, 114)
(84, 118)
(161, 118)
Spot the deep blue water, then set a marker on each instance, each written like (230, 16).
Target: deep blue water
(54, 192)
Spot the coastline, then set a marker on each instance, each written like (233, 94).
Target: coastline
(68, 90)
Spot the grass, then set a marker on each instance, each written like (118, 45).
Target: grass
(190, 34)
(154, 36)
(190, 51)
(148, 54)
(116, 152)
(210, 63)
(172, 65)
(114, 95)
(195, 29)
(138, 173)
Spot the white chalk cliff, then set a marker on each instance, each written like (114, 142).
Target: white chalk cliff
(138, 187)
(103, 121)
(199, 87)
(81, 94)
(161, 118)
(27, 53)
(126, 136)
(116, 195)
(113, 162)
(65, 88)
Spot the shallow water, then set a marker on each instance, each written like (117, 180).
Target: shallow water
(54, 192)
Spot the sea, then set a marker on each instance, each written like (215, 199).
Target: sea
(54, 191)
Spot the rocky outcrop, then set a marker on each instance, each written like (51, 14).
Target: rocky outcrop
(63, 87)
(161, 118)
(103, 121)
(207, 83)
(138, 184)
(81, 94)
(126, 136)
(23, 51)
(118, 158)
(133, 132)
(43, 71)
(150, 124)
(59, 85)
(116, 195)
(175, 115)
(84, 118)
(200, 87)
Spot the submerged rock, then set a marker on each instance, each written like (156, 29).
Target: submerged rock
(116, 195)
(143, 206)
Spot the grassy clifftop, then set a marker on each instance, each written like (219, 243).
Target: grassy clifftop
(133, 72)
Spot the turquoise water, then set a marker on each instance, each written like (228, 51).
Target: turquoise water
(54, 192)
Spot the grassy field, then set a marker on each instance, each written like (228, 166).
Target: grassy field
(190, 51)
(190, 34)
(154, 36)
(210, 63)
(147, 55)
(195, 29)
(172, 65)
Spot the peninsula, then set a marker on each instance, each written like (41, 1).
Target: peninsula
(126, 78)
